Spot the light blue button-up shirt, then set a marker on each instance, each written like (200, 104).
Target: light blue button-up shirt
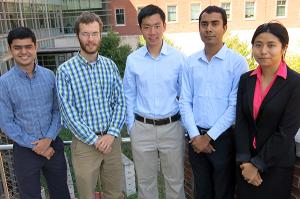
(28, 106)
(209, 91)
(152, 85)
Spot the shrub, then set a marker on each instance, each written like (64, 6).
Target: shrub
(111, 48)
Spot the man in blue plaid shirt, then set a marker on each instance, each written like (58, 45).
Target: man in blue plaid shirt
(92, 105)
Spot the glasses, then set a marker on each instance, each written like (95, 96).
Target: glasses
(90, 34)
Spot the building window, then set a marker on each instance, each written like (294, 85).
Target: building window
(249, 9)
(120, 16)
(281, 6)
(195, 11)
(226, 7)
(172, 14)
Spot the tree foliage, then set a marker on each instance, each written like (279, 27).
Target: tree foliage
(234, 43)
(244, 49)
(111, 48)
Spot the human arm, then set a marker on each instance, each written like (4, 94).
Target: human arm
(200, 143)
(118, 105)
(41, 145)
(228, 117)
(7, 119)
(130, 94)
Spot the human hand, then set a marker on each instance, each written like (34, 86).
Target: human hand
(104, 143)
(48, 153)
(41, 146)
(251, 174)
(201, 143)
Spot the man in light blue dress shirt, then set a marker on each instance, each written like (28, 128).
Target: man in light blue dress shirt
(30, 117)
(151, 86)
(207, 104)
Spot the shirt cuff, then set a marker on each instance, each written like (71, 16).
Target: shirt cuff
(193, 132)
(114, 131)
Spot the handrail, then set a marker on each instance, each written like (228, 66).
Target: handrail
(67, 142)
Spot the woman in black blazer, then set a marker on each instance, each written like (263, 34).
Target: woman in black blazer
(268, 118)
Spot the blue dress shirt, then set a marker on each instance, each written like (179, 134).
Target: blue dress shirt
(152, 85)
(209, 91)
(29, 108)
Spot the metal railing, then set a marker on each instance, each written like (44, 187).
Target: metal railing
(9, 188)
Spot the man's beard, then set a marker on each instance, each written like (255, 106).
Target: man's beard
(83, 48)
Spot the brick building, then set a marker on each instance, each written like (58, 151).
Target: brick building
(182, 18)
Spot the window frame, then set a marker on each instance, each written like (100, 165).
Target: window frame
(195, 4)
(117, 14)
(230, 9)
(176, 13)
(254, 9)
(285, 9)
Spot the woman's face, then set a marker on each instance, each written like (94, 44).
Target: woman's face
(268, 50)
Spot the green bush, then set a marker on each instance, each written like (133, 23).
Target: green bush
(293, 61)
(244, 49)
(111, 48)
(240, 47)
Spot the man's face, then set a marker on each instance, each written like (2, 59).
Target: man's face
(152, 28)
(23, 52)
(211, 28)
(89, 37)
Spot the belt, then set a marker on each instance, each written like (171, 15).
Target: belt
(158, 122)
(101, 133)
(224, 135)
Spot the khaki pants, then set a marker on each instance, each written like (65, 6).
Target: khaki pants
(150, 143)
(90, 165)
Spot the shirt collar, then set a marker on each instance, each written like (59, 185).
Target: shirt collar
(281, 72)
(23, 73)
(163, 51)
(83, 60)
(221, 54)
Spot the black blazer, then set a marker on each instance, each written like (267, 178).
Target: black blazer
(276, 125)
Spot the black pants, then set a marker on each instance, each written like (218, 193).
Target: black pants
(28, 166)
(214, 174)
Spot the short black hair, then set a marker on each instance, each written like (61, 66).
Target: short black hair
(20, 33)
(275, 28)
(150, 10)
(211, 9)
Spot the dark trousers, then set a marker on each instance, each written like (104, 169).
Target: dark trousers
(28, 166)
(214, 174)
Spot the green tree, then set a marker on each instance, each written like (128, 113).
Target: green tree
(243, 48)
(111, 48)
(293, 61)
(240, 47)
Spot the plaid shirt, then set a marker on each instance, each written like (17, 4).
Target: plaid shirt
(91, 97)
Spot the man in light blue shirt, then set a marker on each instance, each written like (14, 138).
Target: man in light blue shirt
(30, 117)
(151, 86)
(207, 104)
